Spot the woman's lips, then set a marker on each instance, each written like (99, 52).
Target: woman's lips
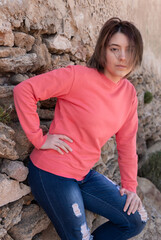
(121, 66)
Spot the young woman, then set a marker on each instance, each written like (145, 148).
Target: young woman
(94, 103)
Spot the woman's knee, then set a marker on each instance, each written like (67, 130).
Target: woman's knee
(143, 217)
(138, 221)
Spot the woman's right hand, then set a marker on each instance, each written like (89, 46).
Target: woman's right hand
(54, 141)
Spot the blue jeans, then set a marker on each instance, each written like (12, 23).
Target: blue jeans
(65, 200)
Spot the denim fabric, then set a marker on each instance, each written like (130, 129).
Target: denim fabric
(65, 200)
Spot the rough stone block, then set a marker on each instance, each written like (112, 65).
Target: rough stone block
(43, 62)
(46, 114)
(11, 214)
(61, 60)
(6, 34)
(2, 232)
(151, 198)
(18, 78)
(11, 190)
(23, 145)
(15, 170)
(18, 64)
(7, 144)
(58, 44)
(34, 220)
(6, 91)
(5, 26)
(11, 52)
(7, 39)
(24, 40)
(7, 237)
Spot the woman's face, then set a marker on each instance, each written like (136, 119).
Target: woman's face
(118, 57)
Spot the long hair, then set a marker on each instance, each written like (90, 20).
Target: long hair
(112, 26)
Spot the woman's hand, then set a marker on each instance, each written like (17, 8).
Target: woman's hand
(54, 141)
(133, 201)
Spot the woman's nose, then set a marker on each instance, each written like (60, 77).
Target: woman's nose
(122, 55)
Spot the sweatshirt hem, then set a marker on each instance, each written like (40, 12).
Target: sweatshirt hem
(57, 169)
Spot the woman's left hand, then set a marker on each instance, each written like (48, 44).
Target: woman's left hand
(133, 202)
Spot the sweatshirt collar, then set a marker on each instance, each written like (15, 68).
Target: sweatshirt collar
(109, 82)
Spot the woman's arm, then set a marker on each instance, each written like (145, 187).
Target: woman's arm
(126, 147)
(128, 161)
(56, 83)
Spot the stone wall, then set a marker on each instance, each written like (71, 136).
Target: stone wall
(37, 36)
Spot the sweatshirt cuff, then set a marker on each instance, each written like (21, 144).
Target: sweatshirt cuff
(129, 186)
(39, 144)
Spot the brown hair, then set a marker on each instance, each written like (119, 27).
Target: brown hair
(112, 26)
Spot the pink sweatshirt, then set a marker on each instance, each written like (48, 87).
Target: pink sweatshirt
(90, 109)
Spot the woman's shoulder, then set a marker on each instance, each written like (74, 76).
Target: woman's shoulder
(129, 88)
(129, 84)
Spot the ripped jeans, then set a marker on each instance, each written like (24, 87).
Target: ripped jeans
(65, 200)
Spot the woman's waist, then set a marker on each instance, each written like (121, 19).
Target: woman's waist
(67, 165)
(77, 154)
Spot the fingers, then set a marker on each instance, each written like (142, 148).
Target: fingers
(68, 148)
(133, 202)
(58, 150)
(64, 146)
(133, 206)
(128, 202)
(65, 137)
(54, 142)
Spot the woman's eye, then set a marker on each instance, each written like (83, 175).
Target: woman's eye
(114, 49)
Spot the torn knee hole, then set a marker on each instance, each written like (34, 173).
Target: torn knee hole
(143, 214)
(76, 210)
(85, 232)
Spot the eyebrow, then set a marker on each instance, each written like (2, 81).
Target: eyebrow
(114, 44)
(117, 45)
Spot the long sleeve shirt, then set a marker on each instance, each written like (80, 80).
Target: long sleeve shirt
(90, 109)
